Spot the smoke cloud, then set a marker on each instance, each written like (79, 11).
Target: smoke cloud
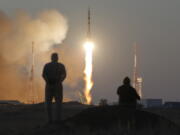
(47, 30)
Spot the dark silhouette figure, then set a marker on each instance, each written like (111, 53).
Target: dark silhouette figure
(54, 74)
(127, 94)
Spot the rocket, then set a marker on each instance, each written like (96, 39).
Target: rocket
(89, 25)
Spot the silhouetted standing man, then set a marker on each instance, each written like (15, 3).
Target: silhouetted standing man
(127, 94)
(54, 74)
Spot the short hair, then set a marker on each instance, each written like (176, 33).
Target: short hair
(126, 80)
(54, 57)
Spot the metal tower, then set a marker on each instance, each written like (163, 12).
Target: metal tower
(137, 81)
(135, 66)
(32, 98)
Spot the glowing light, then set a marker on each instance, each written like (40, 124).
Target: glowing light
(88, 46)
(139, 86)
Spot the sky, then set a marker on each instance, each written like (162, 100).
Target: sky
(116, 26)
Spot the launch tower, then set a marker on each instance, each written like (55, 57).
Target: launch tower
(32, 94)
(137, 81)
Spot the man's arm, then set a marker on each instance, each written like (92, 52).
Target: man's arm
(44, 73)
(63, 75)
(136, 94)
(118, 91)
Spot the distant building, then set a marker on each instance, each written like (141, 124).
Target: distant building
(11, 102)
(172, 104)
(150, 103)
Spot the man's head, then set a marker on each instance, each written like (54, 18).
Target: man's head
(54, 57)
(126, 81)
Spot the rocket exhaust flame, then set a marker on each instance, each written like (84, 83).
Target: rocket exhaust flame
(88, 46)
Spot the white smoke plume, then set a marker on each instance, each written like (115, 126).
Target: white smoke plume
(46, 29)
(16, 37)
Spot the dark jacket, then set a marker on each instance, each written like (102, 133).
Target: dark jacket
(54, 73)
(127, 95)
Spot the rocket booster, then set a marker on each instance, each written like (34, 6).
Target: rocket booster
(89, 24)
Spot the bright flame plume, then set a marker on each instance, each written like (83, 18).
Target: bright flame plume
(88, 46)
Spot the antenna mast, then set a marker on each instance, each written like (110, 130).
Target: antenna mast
(32, 96)
(137, 81)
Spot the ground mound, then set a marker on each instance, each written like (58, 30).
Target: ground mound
(112, 120)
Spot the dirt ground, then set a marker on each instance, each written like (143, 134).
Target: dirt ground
(15, 119)
(20, 119)
(171, 114)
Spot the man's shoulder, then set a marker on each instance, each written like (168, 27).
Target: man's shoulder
(47, 64)
(61, 64)
(121, 87)
(133, 88)
(126, 87)
(53, 65)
